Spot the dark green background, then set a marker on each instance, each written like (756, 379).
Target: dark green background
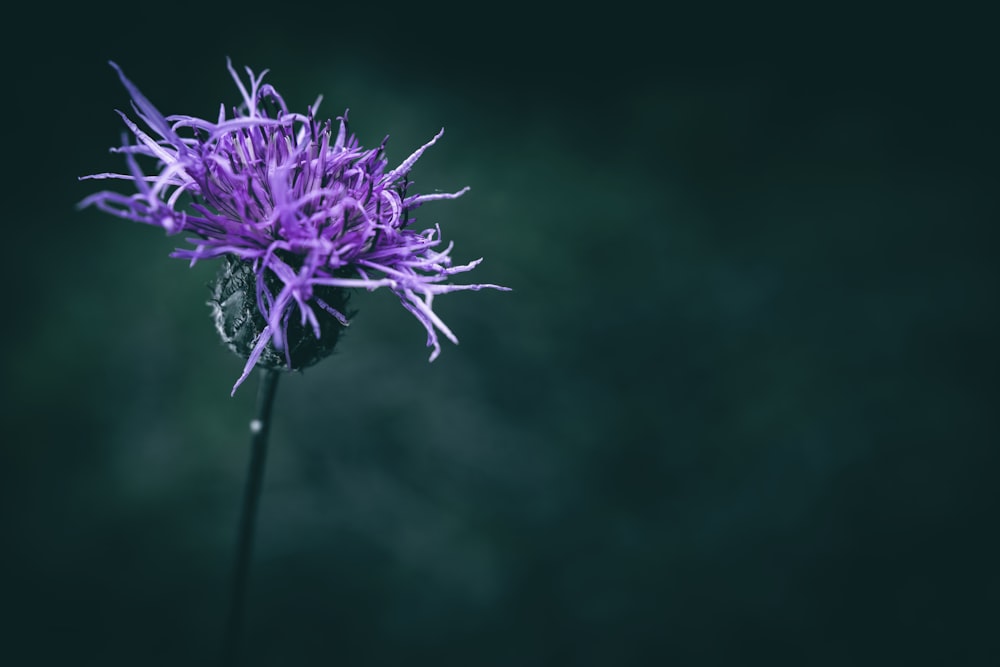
(740, 408)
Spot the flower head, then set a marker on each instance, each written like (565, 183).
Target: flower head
(300, 211)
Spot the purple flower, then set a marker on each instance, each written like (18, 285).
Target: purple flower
(301, 212)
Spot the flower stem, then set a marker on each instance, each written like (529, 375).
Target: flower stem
(259, 429)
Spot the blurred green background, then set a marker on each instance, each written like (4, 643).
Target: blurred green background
(740, 408)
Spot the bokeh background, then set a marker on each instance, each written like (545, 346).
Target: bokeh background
(740, 408)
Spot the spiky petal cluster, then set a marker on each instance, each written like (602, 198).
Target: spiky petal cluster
(295, 197)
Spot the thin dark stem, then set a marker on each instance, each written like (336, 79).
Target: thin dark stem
(259, 429)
